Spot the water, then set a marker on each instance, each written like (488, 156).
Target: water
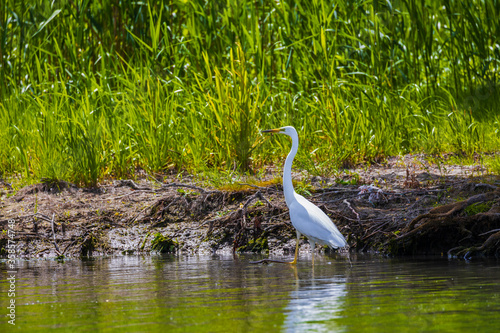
(226, 294)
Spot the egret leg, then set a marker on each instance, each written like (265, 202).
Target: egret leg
(296, 249)
(313, 245)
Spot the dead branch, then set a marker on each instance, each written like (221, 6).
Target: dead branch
(54, 235)
(352, 209)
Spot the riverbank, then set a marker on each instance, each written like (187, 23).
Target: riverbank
(405, 206)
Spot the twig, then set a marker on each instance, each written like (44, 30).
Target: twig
(376, 230)
(274, 226)
(449, 253)
(489, 232)
(352, 209)
(43, 217)
(54, 234)
(276, 216)
(345, 217)
(255, 196)
(67, 246)
(137, 215)
(40, 251)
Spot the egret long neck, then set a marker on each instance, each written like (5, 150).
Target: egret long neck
(287, 171)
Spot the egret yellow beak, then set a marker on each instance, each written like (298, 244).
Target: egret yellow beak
(276, 130)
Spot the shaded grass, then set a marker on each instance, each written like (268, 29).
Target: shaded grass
(92, 90)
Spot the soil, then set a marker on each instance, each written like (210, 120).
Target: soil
(404, 206)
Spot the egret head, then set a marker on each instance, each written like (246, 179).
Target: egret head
(288, 130)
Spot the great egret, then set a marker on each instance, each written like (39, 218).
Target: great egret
(308, 219)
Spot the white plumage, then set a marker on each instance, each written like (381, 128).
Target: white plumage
(306, 217)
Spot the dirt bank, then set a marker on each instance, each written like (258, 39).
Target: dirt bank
(404, 206)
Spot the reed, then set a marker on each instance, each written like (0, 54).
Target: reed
(99, 89)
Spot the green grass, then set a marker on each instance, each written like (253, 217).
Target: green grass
(92, 89)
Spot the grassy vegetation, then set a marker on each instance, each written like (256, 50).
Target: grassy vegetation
(94, 89)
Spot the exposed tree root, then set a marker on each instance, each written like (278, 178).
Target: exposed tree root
(459, 229)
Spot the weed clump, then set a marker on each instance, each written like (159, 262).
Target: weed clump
(255, 245)
(92, 242)
(479, 207)
(163, 244)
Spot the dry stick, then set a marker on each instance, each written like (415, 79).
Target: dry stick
(259, 195)
(40, 251)
(352, 209)
(274, 226)
(345, 217)
(170, 204)
(376, 230)
(67, 246)
(276, 216)
(489, 232)
(208, 196)
(43, 217)
(453, 249)
(243, 210)
(137, 215)
(54, 235)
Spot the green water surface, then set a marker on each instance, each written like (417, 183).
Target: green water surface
(228, 294)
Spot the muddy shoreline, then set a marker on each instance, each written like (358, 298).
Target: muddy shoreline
(402, 207)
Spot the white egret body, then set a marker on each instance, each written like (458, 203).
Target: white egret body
(308, 219)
